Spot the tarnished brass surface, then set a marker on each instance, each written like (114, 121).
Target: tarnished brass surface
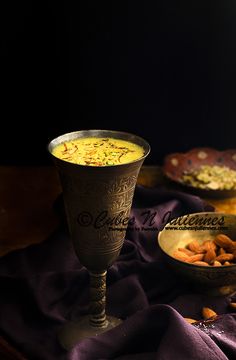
(97, 203)
(73, 332)
(218, 280)
(98, 299)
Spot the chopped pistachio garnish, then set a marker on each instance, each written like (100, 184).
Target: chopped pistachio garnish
(95, 151)
(211, 178)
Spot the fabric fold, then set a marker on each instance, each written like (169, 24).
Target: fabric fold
(44, 286)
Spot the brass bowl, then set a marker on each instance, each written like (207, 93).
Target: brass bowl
(220, 280)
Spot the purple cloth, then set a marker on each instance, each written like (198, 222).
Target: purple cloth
(44, 285)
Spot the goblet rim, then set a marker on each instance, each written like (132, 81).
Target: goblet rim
(73, 135)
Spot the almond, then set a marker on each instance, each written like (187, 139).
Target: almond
(233, 246)
(221, 251)
(208, 313)
(179, 255)
(210, 256)
(216, 263)
(232, 305)
(186, 251)
(201, 263)
(197, 257)
(195, 247)
(223, 241)
(224, 257)
(217, 252)
(208, 245)
(190, 321)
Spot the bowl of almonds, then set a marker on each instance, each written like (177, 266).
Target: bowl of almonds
(201, 249)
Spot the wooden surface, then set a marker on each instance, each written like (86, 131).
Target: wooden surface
(27, 195)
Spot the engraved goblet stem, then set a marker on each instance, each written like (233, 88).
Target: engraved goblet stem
(98, 299)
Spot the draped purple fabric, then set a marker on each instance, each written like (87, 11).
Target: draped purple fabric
(44, 285)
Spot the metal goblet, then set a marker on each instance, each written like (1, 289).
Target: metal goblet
(97, 200)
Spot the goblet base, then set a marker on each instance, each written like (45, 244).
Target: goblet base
(75, 331)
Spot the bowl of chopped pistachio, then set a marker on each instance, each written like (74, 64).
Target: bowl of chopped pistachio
(203, 171)
(201, 249)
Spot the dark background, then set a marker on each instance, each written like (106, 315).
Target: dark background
(165, 70)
